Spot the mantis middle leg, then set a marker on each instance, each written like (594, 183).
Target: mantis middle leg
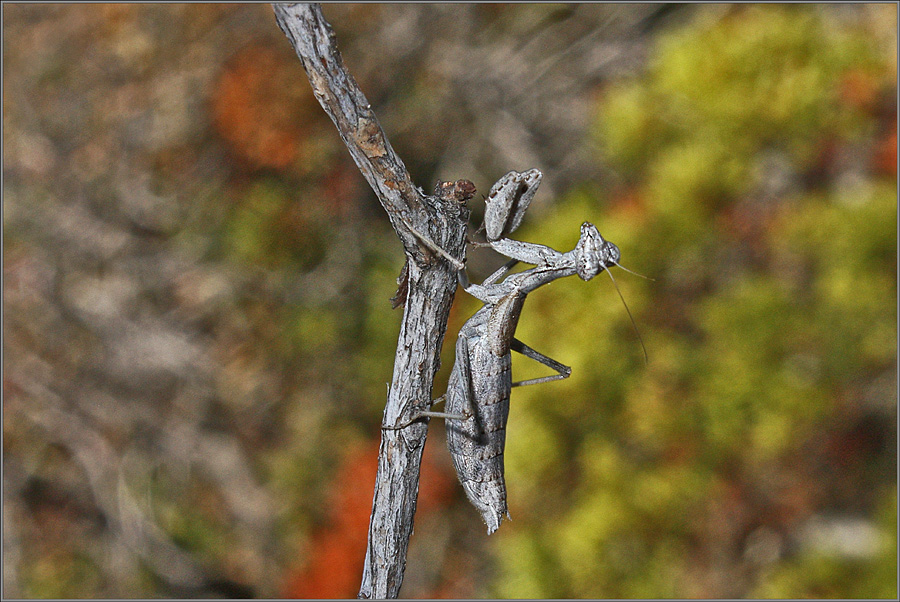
(563, 370)
(479, 290)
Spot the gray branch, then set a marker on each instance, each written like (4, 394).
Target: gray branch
(431, 285)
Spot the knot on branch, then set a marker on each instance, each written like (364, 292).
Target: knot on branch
(460, 191)
(369, 136)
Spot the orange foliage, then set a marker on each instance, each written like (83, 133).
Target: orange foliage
(628, 204)
(256, 112)
(115, 16)
(341, 188)
(338, 551)
(859, 90)
(436, 483)
(885, 159)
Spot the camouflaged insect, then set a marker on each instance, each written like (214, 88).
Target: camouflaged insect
(477, 398)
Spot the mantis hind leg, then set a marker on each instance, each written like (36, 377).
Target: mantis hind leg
(463, 384)
(429, 414)
(562, 370)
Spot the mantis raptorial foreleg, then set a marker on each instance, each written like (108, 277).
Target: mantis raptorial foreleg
(527, 252)
(507, 202)
(505, 208)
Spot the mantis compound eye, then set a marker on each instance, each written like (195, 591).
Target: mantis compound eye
(592, 253)
(613, 252)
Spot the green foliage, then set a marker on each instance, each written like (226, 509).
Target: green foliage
(62, 575)
(760, 76)
(374, 362)
(846, 240)
(770, 314)
(822, 575)
(269, 228)
(747, 170)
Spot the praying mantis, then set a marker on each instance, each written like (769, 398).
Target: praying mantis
(477, 398)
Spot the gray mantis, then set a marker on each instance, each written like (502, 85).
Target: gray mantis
(478, 392)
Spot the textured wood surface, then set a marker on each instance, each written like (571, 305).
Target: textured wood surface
(430, 285)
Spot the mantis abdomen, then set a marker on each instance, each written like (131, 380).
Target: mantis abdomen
(480, 386)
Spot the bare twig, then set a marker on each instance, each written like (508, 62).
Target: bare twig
(431, 284)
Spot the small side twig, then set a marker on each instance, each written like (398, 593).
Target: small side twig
(430, 285)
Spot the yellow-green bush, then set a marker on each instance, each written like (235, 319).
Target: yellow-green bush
(771, 324)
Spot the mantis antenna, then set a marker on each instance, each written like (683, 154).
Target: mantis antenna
(633, 324)
(635, 273)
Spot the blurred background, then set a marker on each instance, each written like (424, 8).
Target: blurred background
(198, 333)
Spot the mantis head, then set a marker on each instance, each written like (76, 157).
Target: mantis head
(593, 254)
